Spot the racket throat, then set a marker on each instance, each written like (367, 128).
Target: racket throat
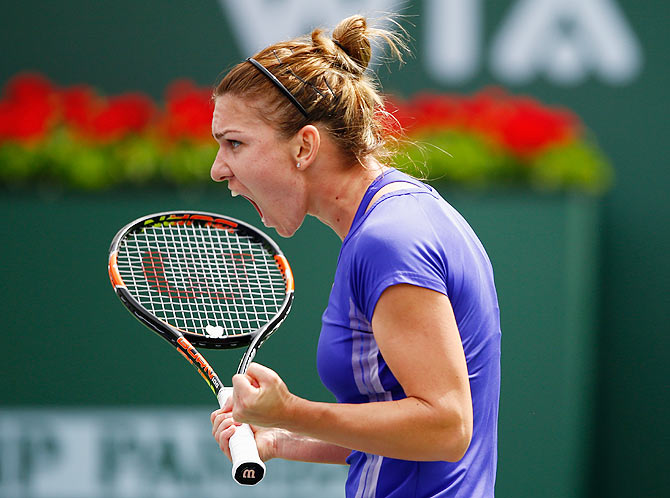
(250, 353)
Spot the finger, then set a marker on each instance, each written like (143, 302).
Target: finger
(215, 413)
(223, 439)
(222, 421)
(242, 387)
(260, 374)
(216, 422)
(222, 427)
(228, 404)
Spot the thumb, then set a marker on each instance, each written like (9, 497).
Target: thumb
(243, 386)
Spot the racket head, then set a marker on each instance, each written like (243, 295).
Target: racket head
(215, 280)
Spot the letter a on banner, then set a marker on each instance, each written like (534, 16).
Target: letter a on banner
(565, 40)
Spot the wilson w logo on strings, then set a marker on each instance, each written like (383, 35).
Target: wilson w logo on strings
(199, 279)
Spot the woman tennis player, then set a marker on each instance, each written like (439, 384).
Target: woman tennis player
(410, 339)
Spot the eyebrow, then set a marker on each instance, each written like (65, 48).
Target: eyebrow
(222, 133)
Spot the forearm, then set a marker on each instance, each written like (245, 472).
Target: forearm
(409, 429)
(293, 446)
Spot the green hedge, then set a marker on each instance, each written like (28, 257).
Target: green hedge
(76, 138)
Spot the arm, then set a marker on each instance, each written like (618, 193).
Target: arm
(417, 334)
(278, 443)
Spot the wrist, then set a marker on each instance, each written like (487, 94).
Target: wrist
(291, 413)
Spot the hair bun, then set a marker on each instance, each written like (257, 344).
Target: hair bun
(351, 35)
(339, 45)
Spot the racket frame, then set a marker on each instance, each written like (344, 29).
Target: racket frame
(246, 473)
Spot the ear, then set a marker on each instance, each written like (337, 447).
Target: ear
(307, 144)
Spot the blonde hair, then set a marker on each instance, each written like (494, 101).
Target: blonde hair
(328, 78)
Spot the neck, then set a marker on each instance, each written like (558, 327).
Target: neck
(337, 192)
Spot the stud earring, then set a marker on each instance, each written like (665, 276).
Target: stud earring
(297, 165)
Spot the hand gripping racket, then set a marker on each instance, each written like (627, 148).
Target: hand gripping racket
(205, 280)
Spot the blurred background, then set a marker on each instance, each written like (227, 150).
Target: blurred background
(555, 116)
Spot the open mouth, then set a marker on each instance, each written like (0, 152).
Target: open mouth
(256, 207)
(260, 213)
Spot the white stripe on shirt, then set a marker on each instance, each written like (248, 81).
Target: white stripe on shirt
(365, 364)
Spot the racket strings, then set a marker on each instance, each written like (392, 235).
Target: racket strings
(204, 280)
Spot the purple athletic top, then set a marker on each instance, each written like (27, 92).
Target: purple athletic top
(412, 236)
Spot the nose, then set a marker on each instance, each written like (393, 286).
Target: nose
(220, 170)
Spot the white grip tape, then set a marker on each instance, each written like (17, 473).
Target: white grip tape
(242, 443)
(243, 448)
(223, 395)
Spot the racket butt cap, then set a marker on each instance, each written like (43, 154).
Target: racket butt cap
(249, 473)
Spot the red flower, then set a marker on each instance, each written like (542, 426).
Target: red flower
(79, 104)
(530, 127)
(28, 108)
(188, 112)
(121, 116)
(28, 87)
(520, 124)
(486, 111)
(426, 112)
(438, 111)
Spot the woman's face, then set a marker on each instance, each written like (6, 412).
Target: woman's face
(258, 164)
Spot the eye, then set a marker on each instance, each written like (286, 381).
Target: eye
(234, 144)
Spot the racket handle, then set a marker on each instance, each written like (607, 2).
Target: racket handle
(248, 468)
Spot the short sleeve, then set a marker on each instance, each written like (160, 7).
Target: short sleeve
(388, 254)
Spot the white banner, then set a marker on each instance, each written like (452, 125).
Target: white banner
(89, 453)
(564, 42)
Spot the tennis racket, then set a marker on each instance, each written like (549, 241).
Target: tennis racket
(205, 280)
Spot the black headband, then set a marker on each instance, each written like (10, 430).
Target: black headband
(340, 46)
(279, 85)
